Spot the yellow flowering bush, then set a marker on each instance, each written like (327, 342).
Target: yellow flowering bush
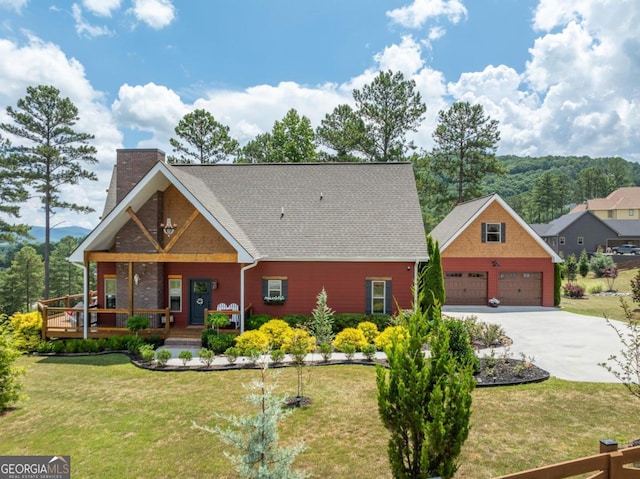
(277, 331)
(369, 329)
(252, 340)
(384, 339)
(26, 330)
(351, 336)
(299, 340)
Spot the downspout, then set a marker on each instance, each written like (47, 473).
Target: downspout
(85, 298)
(242, 271)
(416, 286)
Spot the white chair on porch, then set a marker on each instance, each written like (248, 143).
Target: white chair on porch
(235, 318)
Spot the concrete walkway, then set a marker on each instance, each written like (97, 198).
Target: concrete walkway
(567, 345)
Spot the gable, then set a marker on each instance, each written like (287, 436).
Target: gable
(518, 242)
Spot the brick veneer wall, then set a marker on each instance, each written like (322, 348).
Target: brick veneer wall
(131, 166)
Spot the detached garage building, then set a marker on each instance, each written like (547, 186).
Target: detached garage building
(488, 251)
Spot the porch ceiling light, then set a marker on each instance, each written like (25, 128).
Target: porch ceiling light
(169, 228)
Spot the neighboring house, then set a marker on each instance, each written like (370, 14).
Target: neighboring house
(621, 204)
(488, 251)
(584, 230)
(266, 238)
(574, 232)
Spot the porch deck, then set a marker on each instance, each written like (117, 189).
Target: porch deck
(64, 318)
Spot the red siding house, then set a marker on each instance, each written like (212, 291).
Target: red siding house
(254, 238)
(488, 251)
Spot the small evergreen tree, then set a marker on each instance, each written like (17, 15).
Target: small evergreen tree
(322, 320)
(424, 403)
(256, 437)
(557, 284)
(432, 280)
(600, 262)
(583, 264)
(571, 267)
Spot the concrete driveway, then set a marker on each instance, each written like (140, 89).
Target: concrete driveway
(567, 345)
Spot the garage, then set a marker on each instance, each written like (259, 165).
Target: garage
(520, 288)
(466, 287)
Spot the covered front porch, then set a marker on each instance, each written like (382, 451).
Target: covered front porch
(67, 317)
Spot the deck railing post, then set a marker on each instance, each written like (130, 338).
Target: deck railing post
(45, 321)
(608, 445)
(167, 321)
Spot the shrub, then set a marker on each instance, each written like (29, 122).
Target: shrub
(347, 320)
(385, 338)
(277, 331)
(252, 339)
(137, 323)
(133, 344)
(146, 352)
(325, 351)
(117, 343)
(10, 384)
(296, 320)
(26, 330)
(349, 337)
(219, 343)
(460, 342)
(370, 330)
(206, 356)
(349, 350)
(277, 355)
(232, 354)
(254, 322)
(369, 351)
(596, 288)
(573, 290)
(163, 356)
(600, 262)
(185, 356)
(299, 343)
(217, 320)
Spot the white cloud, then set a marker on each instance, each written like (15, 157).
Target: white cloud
(420, 11)
(405, 57)
(155, 13)
(41, 63)
(16, 5)
(85, 28)
(102, 8)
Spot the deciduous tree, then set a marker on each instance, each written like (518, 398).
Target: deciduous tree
(54, 153)
(390, 107)
(202, 139)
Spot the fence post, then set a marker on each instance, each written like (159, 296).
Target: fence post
(45, 320)
(608, 445)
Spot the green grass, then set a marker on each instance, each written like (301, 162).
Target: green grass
(600, 305)
(116, 420)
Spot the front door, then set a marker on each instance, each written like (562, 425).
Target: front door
(199, 299)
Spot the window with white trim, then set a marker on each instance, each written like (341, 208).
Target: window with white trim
(630, 212)
(110, 292)
(494, 233)
(580, 240)
(562, 240)
(175, 294)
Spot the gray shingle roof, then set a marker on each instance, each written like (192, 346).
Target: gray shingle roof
(455, 221)
(314, 210)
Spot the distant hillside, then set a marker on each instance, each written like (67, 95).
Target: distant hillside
(58, 233)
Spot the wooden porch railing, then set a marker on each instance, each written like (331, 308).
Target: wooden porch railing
(611, 463)
(61, 318)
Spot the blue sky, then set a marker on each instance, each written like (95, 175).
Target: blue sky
(559, 75)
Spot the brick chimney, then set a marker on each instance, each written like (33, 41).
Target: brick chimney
(131, 166)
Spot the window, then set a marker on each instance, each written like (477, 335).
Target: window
(274, 289)
(110, 292)
(175, 294)
(610, 214)
(580, 240)
(493, 232)
(562, 240)
(378, 296)
(553, 241)
(630, 212)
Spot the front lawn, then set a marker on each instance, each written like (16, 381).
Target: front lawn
(116, 420)
(602, 305)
